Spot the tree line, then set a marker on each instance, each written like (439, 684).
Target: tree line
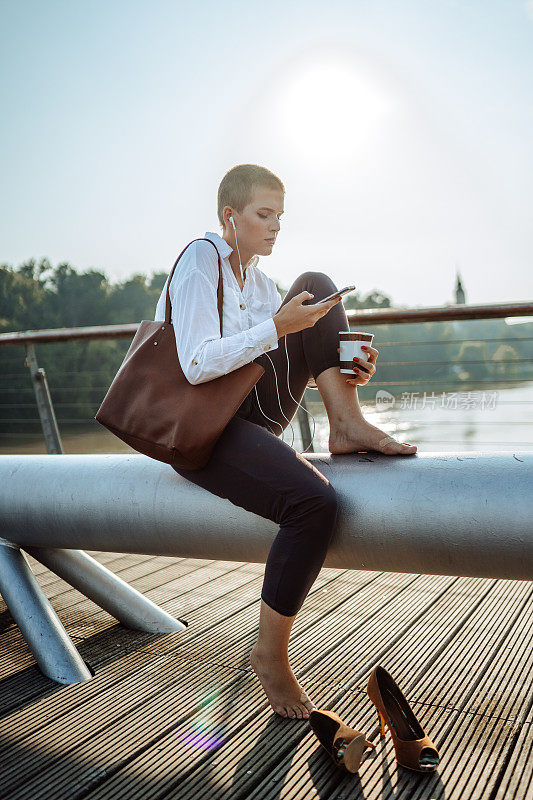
(35, 295)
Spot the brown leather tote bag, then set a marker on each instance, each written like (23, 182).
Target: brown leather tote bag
(151, 405)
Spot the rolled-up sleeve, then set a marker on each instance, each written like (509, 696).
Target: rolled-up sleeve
(202, 352)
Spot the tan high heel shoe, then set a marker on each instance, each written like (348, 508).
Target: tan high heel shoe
(344, 744)
(413, 748)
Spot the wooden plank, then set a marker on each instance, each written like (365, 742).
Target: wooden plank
(21, 687)
(143, 730)
(238, 784)
(326, 624)
(516, 779)
(72, 606)
(82, 723)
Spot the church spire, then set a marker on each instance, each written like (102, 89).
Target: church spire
(459, 291)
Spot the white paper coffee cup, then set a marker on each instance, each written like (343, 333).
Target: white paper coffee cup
(349, 346)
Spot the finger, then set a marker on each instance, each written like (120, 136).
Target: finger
(370, 351)
(327, 304)
(323, 309)
(364, 365)
(367, 369)
(355, 381)
(364, 376)
(303, 297)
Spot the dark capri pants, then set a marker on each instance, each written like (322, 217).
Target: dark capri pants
(254, 469)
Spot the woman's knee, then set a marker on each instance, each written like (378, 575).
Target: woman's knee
(330, 501)
(319, 281)
(319, 506)
(323, 522)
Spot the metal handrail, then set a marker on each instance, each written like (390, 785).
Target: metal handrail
(376, 316)
(360, 317)
(401, 315)
(437, 514)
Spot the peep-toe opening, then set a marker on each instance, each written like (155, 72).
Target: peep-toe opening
(428, 758)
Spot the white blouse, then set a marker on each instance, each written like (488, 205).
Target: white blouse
(247, 318)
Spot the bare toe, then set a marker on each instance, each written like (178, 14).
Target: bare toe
(411, 447)
(390, 446)
(280, 686)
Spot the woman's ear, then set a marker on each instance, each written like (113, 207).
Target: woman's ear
(226, 214)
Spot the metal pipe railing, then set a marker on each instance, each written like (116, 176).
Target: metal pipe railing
(361, 317)
(459, 514)
(438, 513)
(366, 316)
(466, 514)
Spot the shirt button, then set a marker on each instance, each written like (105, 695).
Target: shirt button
(195, 362)
(242, 306)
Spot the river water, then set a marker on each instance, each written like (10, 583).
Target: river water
(491, 419)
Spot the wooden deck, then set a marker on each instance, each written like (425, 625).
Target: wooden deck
(183, 716)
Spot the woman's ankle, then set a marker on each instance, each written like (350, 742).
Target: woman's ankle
(263, 652)
(340, 401)
(345, 426)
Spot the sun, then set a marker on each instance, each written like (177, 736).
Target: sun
(333, 110)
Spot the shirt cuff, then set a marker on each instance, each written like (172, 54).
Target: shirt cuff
(267, 334)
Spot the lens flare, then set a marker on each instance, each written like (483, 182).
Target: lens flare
(203, 733)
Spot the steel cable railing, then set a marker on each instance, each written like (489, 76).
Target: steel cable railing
(506, 373)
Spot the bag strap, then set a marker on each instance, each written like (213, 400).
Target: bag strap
(220, 287)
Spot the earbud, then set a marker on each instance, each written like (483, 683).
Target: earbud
(237, 243)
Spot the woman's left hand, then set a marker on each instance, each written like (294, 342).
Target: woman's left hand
(363, 369)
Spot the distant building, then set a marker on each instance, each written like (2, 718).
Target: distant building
(459, 292)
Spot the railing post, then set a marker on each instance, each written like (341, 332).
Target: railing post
(44, 402)
(305, 430)
(49, 642)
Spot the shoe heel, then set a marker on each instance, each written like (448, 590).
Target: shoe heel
(344, 744)
(381, 723)
(412, 746)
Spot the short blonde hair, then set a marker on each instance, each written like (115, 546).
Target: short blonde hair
(237, 186)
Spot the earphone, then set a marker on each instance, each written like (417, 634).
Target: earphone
(275, 375)
(236, 242)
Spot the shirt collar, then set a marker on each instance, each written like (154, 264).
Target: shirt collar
(221, 244)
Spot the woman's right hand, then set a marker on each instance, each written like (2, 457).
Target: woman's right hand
(293, 316)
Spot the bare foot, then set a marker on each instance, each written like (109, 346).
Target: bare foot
(284, 693)
(365, 436)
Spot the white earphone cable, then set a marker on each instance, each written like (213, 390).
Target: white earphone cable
(279, 402)
(296, 401)
(276, 377)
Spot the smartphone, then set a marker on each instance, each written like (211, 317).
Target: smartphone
(340, 293)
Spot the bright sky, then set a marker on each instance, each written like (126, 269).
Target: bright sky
(401, 129)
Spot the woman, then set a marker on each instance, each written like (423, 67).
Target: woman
(250, 465)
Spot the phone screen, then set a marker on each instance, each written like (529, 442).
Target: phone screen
(340, 293)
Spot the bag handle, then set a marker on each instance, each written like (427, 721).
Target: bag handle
(220, 287)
